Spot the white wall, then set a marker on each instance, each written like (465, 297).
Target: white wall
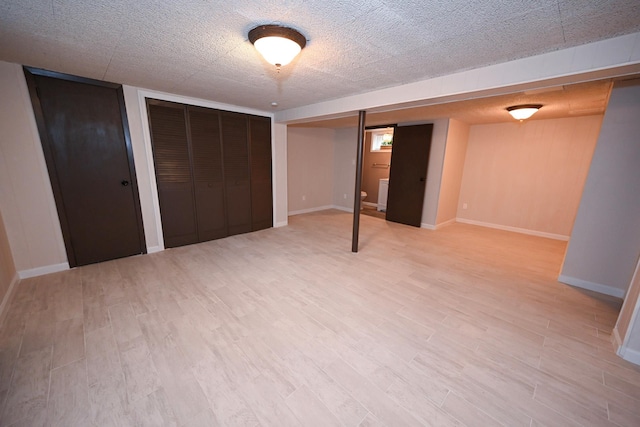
(528, 176)
(8, 274)
(627, 330)
(605, 242)
(309, 169)
(454, 157)
(26, 198)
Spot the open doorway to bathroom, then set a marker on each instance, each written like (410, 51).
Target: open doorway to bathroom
(378, 145)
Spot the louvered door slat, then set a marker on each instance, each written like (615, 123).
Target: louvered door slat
(236, 172)
(261, 191)
(206, 152)
(173, 173)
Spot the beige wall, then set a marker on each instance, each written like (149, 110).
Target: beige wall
(371, 175)
(528, 176)
(434, 172)
(279, 151)
(345, 150)
(321, 166)
(453, 167)
(309, 168)
(26, 198)
(605, 242)
(8, 276)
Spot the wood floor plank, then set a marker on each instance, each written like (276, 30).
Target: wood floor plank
(109, 402)
(467, 413)
(125, 327)
(103, 357)
(343, 405)
(68, 403)
(309, 410)
(373, 399)
(95, 313)
(226, 401)
(39, 331)
(29, 387)
(268, 404)
(140, 375)
(68, 344)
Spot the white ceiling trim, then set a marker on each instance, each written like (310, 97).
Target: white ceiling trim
(609, 58)
(199, 102)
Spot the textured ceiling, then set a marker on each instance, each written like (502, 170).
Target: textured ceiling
(199, 48)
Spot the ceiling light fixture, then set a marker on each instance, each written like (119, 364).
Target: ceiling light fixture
(277, 44)
(521, 112)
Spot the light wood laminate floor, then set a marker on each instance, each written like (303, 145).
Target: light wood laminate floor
(461, 326)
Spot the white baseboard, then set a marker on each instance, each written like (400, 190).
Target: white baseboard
(154, 249)
(321, 208)
(515, 229)
(309, 210)
(629, 355)
(444, 224)
(373, 205)
(615, 339)
(427, 226)
(342, 208)
(7, 297)
(596, 287)
(280, 224)
(41, 271)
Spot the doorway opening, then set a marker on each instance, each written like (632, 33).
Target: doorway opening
(378, 146)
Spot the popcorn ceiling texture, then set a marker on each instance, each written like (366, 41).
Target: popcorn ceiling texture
(200, 48)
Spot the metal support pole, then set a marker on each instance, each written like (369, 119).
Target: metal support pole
(356, 195)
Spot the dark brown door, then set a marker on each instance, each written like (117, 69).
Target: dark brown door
(408, 174)
(261, 191)
(87, 148)
(172, 160)
(236, 171)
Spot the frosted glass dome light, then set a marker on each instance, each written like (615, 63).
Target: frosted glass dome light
(277, 44)
(522, 112)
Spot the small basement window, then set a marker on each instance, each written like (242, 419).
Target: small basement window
(382, 139)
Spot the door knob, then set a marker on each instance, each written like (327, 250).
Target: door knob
(124, 182)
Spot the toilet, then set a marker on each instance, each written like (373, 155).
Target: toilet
(363, 195)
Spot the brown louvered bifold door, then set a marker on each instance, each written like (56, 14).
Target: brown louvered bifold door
(261, 192)
(206, 150)
(173, 173)
(213, 170)
(236, 172)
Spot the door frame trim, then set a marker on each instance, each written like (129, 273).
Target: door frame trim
(30, 73)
